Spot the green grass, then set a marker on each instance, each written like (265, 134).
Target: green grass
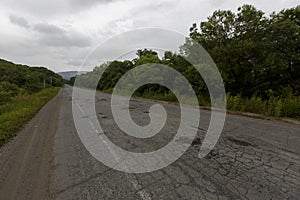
(274, 106)
(18, 111)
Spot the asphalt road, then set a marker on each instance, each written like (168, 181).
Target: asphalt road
(254, 159)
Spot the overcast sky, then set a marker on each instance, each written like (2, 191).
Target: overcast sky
(58, 34)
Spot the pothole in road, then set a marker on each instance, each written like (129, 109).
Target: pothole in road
(212, 154)
(102, 99)
(240, 142)
(131, 108)
(196, 141)
(102, 115)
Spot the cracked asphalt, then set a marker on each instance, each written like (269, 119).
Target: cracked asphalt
(254, 159)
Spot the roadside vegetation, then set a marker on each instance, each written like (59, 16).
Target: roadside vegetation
(23, 92)
(20, 109)
(16, 79)
(258, 57)
(273, 106)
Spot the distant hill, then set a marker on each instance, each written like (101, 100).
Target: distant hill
(69, 74)
(18, 79)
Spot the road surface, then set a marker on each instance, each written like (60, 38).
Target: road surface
(254, 159)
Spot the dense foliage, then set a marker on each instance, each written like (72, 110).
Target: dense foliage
(17, 112)
(257, 55)
(18, 79)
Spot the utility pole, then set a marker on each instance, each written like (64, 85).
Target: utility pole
(51, 80)
(44, 83)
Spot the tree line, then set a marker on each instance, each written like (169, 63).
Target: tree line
(258, 57)
(256, 54)
(16, 79)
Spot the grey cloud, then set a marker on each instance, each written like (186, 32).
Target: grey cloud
(52, 35)
(18, 48)
(80, 62)
(87, 3)
(20, 21)
(53, 7)
(117, 47)
(74, 62)
(48, 29)
(45, 41)
(216, 3)
(66, 40)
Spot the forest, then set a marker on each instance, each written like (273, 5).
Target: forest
(258, 57)
(19, 79)
(24, 91)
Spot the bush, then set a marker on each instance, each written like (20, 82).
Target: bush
(20, 109)
(274, 106)
(4, 97)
